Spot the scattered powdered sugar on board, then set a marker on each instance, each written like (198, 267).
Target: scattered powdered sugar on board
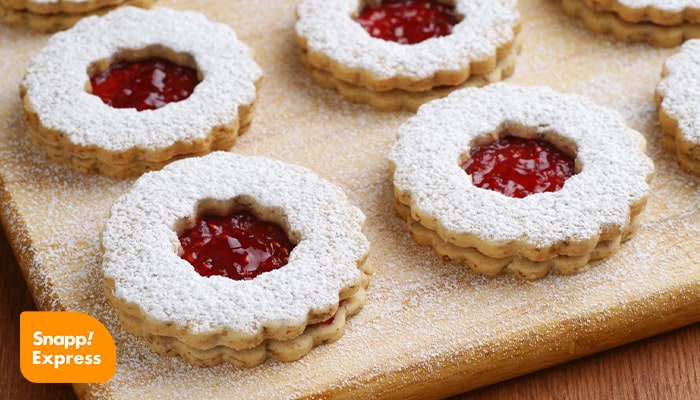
(424, 319)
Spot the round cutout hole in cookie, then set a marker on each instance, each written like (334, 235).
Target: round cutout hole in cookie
(518, 167)
(407, 21)
(238, 245)
(144, 80)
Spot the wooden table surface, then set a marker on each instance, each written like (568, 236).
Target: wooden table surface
(662, 367)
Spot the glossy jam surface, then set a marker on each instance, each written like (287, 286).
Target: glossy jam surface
(519, 167)
(144, 85)
(407, 21)
(238, 246)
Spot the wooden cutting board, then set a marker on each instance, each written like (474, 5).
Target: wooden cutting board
(429, 329)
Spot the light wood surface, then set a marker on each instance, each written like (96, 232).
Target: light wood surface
(429, 329)
(666, 366)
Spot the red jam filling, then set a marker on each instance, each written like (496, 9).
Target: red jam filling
(519, 167)
(330, 320)
(144, 85)
(238, 246)
(407, 21)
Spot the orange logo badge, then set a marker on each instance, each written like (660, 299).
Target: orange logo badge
(65, 347)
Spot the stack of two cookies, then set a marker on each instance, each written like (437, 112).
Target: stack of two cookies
(660, 23)
(559, 229)
(82, 129)
(219, 346)
(490, 257)
(677, 104)
(385, 58)
(235, 300)
(54, 15)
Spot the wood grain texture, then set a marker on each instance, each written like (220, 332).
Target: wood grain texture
(429, 329)
(16, 299)
(665, 366)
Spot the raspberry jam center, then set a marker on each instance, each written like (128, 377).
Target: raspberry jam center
(144, 85)
(238, 246)
(407, 21)
(519, 167)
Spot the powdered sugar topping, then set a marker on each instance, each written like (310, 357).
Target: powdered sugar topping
(613, 169)
(56, 79)
(328, 27)
(680, 88)
(141, 246)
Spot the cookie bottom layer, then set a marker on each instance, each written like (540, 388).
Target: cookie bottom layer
(517, 265)
(281, 350)
(397, 99)
(133, 162)
(646, 13)
(59, 6)
(610, 22)
(49, 23)
(687, 153)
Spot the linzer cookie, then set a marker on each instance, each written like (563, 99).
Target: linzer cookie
(679, 107)
(136, 89)
(54, 15)
(519, 179)
(660, 23)
(235, 258)
(377, 52)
